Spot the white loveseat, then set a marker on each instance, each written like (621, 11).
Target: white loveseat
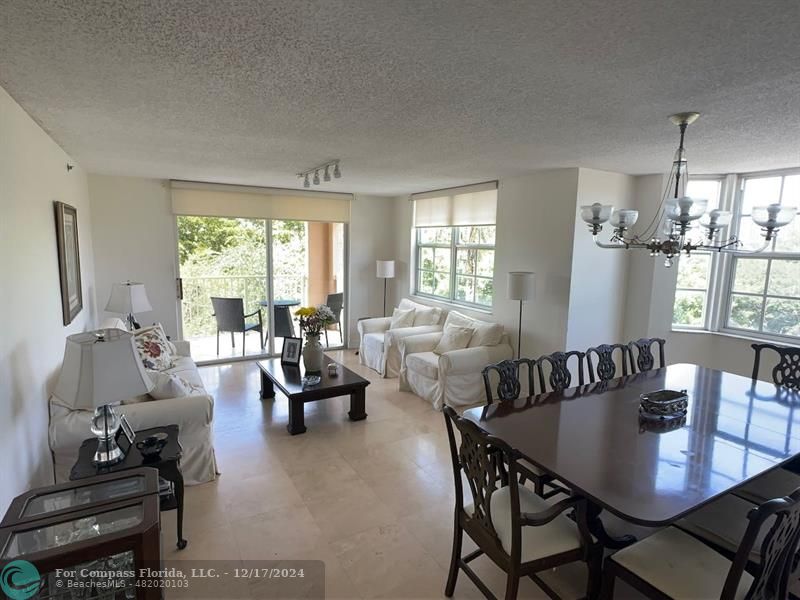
(453, 377)
(379, 347)
(193, 414)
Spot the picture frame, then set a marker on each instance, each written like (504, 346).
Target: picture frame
(69, 261)
(125, 428)
(291, 353)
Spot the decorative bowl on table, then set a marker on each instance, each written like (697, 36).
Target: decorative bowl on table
(663, 404)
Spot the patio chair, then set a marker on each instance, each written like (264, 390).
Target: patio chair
(229, 313)
(335, 302)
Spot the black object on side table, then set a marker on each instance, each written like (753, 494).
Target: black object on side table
(168, 463)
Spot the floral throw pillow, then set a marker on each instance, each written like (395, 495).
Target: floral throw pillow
(153, 347)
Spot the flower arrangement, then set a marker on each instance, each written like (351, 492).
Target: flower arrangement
(314, 319)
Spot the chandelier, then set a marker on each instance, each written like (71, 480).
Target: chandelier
(677, 214)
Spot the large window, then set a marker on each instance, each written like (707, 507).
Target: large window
(765, 288)
(694, 272)
(454, 233)
(759, 294)
(456, 263)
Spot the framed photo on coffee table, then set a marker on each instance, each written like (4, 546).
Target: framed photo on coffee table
(290, 354)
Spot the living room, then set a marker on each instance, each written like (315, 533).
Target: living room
(436, 169)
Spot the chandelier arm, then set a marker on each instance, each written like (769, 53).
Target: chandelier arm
(623, 245)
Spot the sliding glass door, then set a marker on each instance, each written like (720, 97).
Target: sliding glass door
(243, 279)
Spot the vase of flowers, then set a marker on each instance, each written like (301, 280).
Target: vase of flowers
(313, 321)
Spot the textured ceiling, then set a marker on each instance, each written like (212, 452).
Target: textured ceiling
(410, 94)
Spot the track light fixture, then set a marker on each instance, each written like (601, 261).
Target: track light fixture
(306, 175)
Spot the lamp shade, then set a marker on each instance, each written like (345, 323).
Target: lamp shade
(385, 269)
(521, 285)
(101, 367)
(128, 298)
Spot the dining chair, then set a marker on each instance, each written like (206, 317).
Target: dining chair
(509, 389)
(674, 564)
(336, 303)
(229, 314)
(642, 352)
(607, 364)
(559, 377)
(520, 532)
(786, 371)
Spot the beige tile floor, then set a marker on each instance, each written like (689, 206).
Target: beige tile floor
(372, 499)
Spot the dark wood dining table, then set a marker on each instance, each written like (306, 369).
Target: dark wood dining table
(590, 438)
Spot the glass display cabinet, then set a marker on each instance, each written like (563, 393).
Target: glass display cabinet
(93, 538)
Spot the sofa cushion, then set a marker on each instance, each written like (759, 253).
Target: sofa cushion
(424, 363)
(167, 385)
(454, 338)
(486, 334)
(456, 319)
(154, 348)
(427, 315)
(402, 318)
(185, 368)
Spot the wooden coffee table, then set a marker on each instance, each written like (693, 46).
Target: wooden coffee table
(289, 381)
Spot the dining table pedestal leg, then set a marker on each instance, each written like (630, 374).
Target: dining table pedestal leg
(599, 531)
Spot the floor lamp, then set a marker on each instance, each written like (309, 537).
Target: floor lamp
(521, 286)
(385, 270)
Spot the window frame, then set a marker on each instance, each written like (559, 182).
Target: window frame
(723, 265)
(454, 246)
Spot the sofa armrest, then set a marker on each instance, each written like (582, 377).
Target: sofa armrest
(469, 360)
(186, 412)
(183, 347)
(424, 342)
(373, 325)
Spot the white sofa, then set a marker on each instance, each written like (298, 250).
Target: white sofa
(454, 377)
(379, 347)
(193, 414)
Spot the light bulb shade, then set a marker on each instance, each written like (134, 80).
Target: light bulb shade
(384, 269)
(521, 285)
(306, 182)
(624, 218)
(128, 298)
(596, 214)
(327, 175)
(716, 219)
(685, 209)
(336, 172)
(100, 368)
(773, 216)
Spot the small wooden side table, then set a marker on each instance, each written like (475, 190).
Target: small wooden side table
(168, 464)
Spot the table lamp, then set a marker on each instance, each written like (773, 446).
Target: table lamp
(522, 287)
(128, 298)
(385, 270)
(102, 368)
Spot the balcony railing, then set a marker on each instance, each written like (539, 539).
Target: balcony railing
(198, 319)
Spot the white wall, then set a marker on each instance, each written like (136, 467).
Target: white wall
(134, 238)
(372, 233)
(599, 277)
(535, 225)
(32, 175)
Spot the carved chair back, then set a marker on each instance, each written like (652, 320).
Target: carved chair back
(607, 365)
(488, 464)
(777, 551)
(786, 371)
(507, 374)
(642, 354)
(559, 377)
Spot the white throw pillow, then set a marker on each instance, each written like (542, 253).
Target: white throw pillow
(455, 318)
(402, 318)
(167, 385)
(428, 315)
(154, 348)
(486, 334)
(453, 338)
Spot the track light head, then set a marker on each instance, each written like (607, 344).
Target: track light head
(336, 172)
(306, 183)
(327, 175)
(316, 177)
